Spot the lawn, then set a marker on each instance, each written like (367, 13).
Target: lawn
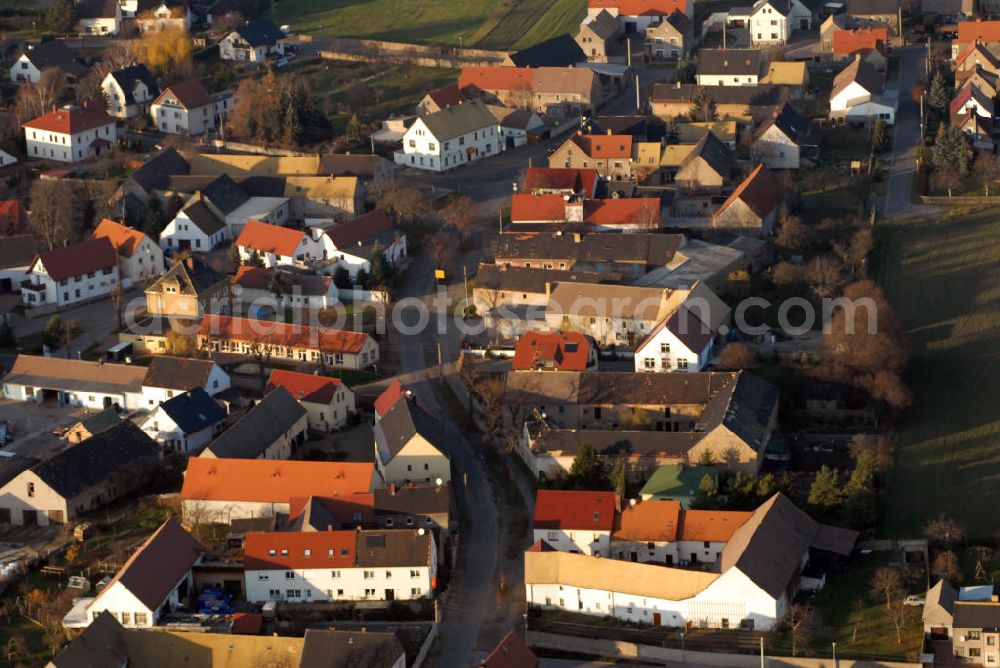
(488, 24)
(943, 278)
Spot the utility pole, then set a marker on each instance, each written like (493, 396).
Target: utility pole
(638, 102)
(465, 279)
(628, 47)
(501, 220)
(440, 363)
(724, 25)
(762, 652)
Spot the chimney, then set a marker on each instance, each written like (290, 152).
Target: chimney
(577, 237)
(574, 211)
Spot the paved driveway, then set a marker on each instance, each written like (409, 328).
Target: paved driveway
(33, 424)
(907, 135)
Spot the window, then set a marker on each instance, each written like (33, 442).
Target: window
(369, 592)
(649, 362)
(388, 574)
(665, 347)
(597, 516)
(126, 618)
(271, 552)
(415, 591)
(335, 574)
(551, 536)
(289, 575)
(369, 575)
(973, 635)
(284, 553)
(140, 619)
(307, 553)
(975, 652)
(31, 489)
(414, 573)
(682, 363)
(261, 577)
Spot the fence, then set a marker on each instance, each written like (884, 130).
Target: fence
(220, 145)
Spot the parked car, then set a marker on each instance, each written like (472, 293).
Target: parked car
(913, 599)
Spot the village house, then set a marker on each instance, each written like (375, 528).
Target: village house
(368, 169)
(970, 100)
(328, 401)
(276, 245)
(16, 255)
(98, 17)
(538, 212)
(729, 417)
(706, 167)
(858, 95)
(781, 141)
(253, 43)
(685, 339)
(408, 443)
(576, 521)
(322, 566)
(71, 382)
(745, 103)
(352, 245)
(678, 483)
(451, 137)
(412, 505)
(222, 490)
(772, 21)
(164, 15)
(167, 377)
(187, 422)
(70, 134)
(273, 428)
(280, 289)
(661, 532)
(312, 197)
(886, 13)
(750, 586)
(554, 351)
(195, 227)
(151, 179)
(185, 108)
(139, 257)
(561, 181)
(52, 55)
(156, 579)
(598, 36)
(967, 617)
(637, 15)
(609, 155)
(91, 425)
(280, 340)
(558, 51)
(511, 651)
(753, 207)
(71, 274)
(559, 92)
(672, 38)
(83, 477)
(442, 98)
(729, 67)
(516, 124)
(188, 289)
(870, 43)
(793, 75)
(973, 57)
(128, 92)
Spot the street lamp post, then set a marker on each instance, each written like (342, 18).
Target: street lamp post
(834, 646)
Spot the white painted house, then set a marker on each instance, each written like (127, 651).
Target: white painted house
(772, 21)
(450, 138)
(186, 423)
(780, 141)
(407, 443)
(576, 521)
(186, 108)
(196, 227)
(55, 54)
(729, 67)
(71, 274)
(857, 95)
(270, 210)
(276, 245)
(328, 401)
(128, 92)
(253, 43)
(167, 377)
(749, 586)
(139, 257)
(70, 134)
(352, 244)
(156, 578)
(70, 382)
(98, 17)
(362, 565)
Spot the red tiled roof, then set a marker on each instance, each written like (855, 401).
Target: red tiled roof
(649, 521)
(565, 509)
(361, 228)
(191, 94)
(761, 191)
(526, 208)
(635, 211)
(12, 216)
(497, 78)
(389, 397)
(541, 546)
(568, 350)
(271, 481)
(266, 238)
(561, 178)
(78, 259)
(295, 550)
(987, 32)
(641, 7)
(846, 42)
(282, 334)
(71, 121)
(304, 386)
(511, 653)
(447, 96)
(715, 526)
(125, 239)
(605, 146)
(248, 623)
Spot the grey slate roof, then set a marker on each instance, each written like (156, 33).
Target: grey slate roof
(102, 643)
(197, 276)
(177, 373)
(350, 649)
(128, 77)
(224, 194)
(90, 462)
(156, 173)
(96, 9)
(641, 248)
(400, 547)
(17, 251)
(55, 54)
(748, 410)
(204, 218)
(261, 32)
(561, 51)
(759, 96)
(731, 62)
(348, 164)
(259, 427)
(414, 500)
(458, 120)
(976, 615)
(400, 424)
(533, 280)
(791, 123)
(98, 422)
(711, 149)
(194, 410)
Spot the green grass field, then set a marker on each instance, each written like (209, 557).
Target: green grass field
(943, 277)
(488, 24)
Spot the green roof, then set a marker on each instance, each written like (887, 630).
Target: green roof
(676, 481)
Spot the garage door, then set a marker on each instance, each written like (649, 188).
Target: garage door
(939, 633)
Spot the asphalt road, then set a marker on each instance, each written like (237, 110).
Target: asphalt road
(907, 135)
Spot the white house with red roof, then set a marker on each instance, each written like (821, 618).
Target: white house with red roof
(186, 108)
(609, 215)
(576, 521)
(554, 351)
(70, 134)
(352, 244)
(72, 274)
(320, 566)
(139, 257)
(328, 401)
(288, 341)
(388, 398)
(637, 15)
(276, 245)
(156, 578)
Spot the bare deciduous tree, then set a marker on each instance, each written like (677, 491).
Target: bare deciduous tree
(799, 620)
(888, 584)
(56, 212)
(35, 99)
(825, 275)
(945, 531)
